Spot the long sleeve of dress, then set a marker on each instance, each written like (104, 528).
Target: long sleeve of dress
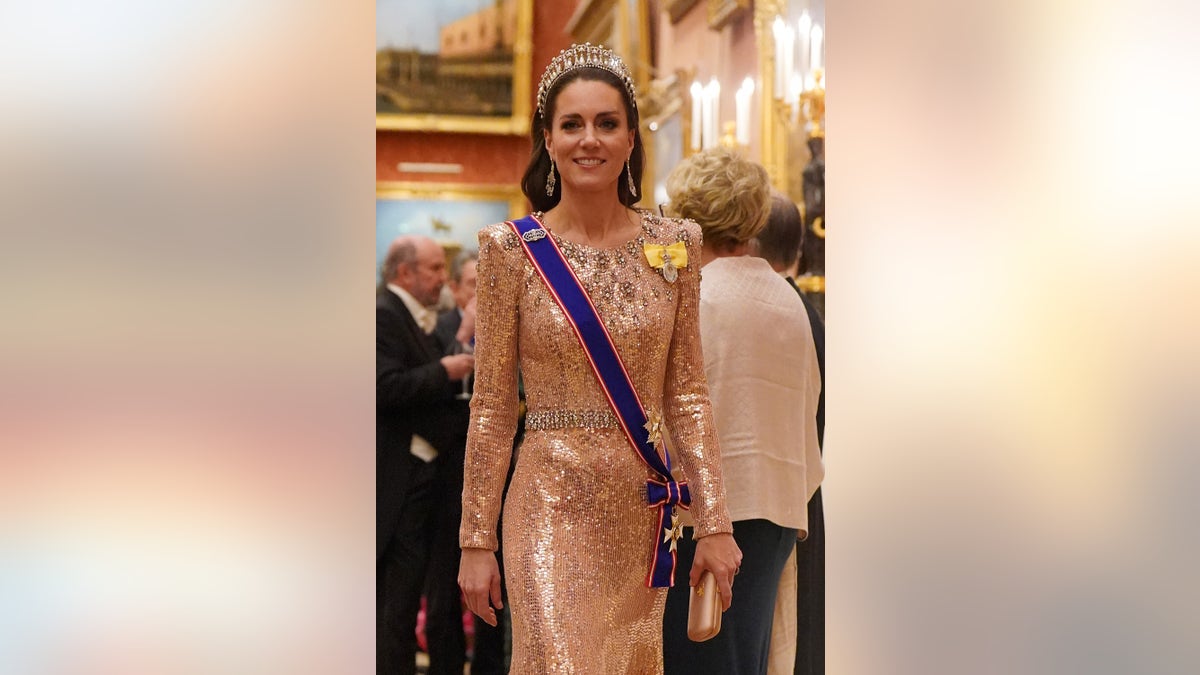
(686, 405)
(494, 407)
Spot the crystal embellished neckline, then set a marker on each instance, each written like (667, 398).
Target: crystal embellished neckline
(630, 244)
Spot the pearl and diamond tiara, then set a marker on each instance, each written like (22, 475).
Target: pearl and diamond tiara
(585, 55)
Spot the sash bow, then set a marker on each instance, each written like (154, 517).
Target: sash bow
(668, 493)
(677, 251)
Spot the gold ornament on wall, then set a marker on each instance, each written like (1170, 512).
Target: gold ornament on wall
(723, 12)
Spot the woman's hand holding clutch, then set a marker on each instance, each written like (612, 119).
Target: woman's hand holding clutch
(719, 554)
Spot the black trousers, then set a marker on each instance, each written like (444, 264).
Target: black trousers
(810, 593)
(744, 643)
(400, 574)
(443, 600)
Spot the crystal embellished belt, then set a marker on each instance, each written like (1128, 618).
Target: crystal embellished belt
(540, 420)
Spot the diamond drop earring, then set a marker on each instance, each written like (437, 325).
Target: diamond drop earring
(629, 175)
(550, 180)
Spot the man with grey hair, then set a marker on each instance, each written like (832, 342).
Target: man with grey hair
(462, 287)
(420, 428)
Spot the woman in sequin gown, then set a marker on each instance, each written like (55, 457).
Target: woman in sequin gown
(578, 531)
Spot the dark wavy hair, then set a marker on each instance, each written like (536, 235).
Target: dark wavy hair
(780, 241)
(533, 184)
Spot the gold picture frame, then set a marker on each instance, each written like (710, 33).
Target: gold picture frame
(451, 213)
(460, 86)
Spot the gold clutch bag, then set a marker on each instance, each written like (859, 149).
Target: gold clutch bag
(704, 609)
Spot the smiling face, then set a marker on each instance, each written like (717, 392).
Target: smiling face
(589, 137)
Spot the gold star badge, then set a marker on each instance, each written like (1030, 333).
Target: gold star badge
(674, 532)
(654, 428)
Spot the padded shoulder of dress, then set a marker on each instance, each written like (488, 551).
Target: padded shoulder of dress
(685, 230)
(498, 233)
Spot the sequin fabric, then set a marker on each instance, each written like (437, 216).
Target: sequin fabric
(577, 531)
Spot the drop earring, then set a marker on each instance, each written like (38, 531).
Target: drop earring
(550, 180)
(629, 175)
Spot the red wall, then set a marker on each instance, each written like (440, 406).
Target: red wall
(486, 158)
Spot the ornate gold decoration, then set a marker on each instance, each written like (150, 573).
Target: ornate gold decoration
(678, 8)
(722, 12)
(674, 532)
(664, 96)
(773, 139)
(812, 105)
(654, 428)
(729, 138)
(811, 284)
(817, 227)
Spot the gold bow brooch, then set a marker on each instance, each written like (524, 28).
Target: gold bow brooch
(667, 259)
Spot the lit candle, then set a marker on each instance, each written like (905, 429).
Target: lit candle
(743, 110)
(818, 48)
(789, 58)
(802, 33)
(795, 92)
(697, 115)
(777, 31)
(713, 130)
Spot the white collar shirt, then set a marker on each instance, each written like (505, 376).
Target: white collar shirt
(425, 317)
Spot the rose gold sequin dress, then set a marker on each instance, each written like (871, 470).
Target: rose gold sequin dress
(578, 533)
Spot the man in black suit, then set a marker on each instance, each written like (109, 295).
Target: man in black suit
(443, 605)
(780, 244)
(419, 427)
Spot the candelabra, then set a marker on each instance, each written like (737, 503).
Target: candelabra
(793, 118)
(812, 105)
(705, 129)
(799, 82)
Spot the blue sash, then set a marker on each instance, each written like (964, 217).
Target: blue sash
(664, 494)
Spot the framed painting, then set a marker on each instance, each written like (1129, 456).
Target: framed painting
(450, 213)
(453, 65)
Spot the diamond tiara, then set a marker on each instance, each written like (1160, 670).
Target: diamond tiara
(585, 55)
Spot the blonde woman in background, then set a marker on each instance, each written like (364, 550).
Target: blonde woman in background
(764, 384)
